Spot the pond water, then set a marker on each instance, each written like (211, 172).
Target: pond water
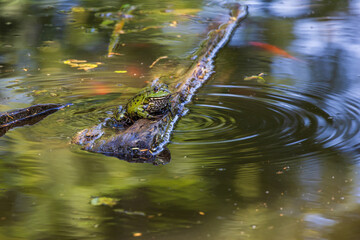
(270, 158)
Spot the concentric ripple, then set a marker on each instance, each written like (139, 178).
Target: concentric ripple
(270, 121)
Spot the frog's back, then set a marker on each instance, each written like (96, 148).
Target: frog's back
(148, 103)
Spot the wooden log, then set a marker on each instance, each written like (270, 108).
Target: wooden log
(145, 139)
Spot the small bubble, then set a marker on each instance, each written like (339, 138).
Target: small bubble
(253, 226)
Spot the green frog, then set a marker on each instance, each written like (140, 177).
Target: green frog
(151, 102)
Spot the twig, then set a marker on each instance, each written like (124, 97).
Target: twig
(158, 59)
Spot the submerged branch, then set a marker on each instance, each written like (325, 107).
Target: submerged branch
(26, 116)
(146, 138)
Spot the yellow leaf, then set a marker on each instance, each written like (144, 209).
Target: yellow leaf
(121, 71)
(81, 64)
(78, 9)
(106, 201)
(37, 92)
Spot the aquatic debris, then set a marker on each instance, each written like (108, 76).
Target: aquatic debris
(118, 29)
(26, 116)
(125, 15)
(173, 24)
(38, 92)
(284, 169)
(104, 201)
(130, 213)
(114, 53)
(120, 71)
(137, 234)
(157, 60)
(259, 78)
(82, 64)
(273, 49)
(78, 9)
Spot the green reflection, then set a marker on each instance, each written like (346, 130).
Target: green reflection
(232, 190)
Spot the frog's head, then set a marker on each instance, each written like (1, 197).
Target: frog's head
(159, 92)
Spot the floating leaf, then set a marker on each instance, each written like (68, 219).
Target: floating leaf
(78, 9)
(38, 92)
(105, 201)
(81, 64)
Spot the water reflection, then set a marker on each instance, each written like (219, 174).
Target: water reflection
(277, 160)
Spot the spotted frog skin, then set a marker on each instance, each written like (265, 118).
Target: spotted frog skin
(150, 103)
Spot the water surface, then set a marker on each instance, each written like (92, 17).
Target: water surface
(272, 159)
